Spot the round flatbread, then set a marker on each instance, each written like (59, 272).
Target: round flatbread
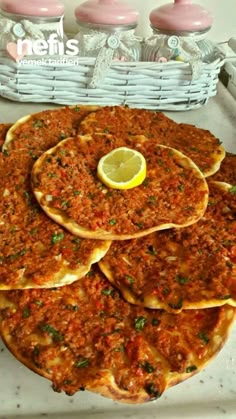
(84, 336)
(3, 130)
(67, 187)
(39, 132)
(36, 252)
(189, 268)
(198, 144)
(227, 171)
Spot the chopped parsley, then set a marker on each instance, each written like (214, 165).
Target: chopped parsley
(33, 231)
(62, 136)
(203, 337)
(82, 363)
(130, 279)
(155, 322)
(38, 123)
(90, 273)
(182, 280)
(226, 297)
(191, 368)
(38, 303)
(210, 203)
(229, 264)
(151, 390)
(57, 237)
(111, 333)
(146, 367)
(16, 255)
(181, 187)
(108, 291)
(152, 199)
(165, 291)
(26, 313)
(65, 204)
(72, 307)
(176, 306)
(139, 225)
(36, 350)
(112, 222)
(233, 190)
(57, 336)
(152, 250)
(139, 323)
(146, 181)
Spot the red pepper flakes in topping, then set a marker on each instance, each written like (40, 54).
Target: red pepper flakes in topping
(127, 213)
(124, 122)
(142, 351)
(45, 129)
(35, 252)
(227, 171)
(181, 268)
(82, 362)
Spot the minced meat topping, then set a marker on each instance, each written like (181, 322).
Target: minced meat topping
(227, 171)
(45, 129)
(198, 144)
(173, 192)
(33, 247)
(193, 265)
(3, 130)
(78, 334)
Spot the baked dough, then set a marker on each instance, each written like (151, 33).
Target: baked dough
(34, 251)
(198, 144)
(85, 336)
(174, 193)
(188, 268)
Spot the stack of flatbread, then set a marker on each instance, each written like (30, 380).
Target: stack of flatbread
(120, 292)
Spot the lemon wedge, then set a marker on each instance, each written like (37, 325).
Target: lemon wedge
(122, 168)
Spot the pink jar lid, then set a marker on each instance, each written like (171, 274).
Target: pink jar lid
(182, 16)
(39, 8)
(106, 12)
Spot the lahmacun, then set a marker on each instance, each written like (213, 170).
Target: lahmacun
(3, 130)
(66, 185)
(188, 268)
(86, 337)
(40, 131)
(227, 171)
(36, 252)
(198, 144)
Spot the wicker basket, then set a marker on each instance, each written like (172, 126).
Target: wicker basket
(150, 85)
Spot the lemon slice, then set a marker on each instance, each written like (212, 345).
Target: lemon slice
(122, 168)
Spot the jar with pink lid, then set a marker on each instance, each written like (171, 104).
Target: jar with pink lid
(31, 20)
(180, 33)
(107, 32)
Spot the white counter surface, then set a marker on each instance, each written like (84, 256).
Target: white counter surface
(211, 394)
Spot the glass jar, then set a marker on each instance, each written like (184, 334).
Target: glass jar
(179, 33)
(32, 20)
(107, 32)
